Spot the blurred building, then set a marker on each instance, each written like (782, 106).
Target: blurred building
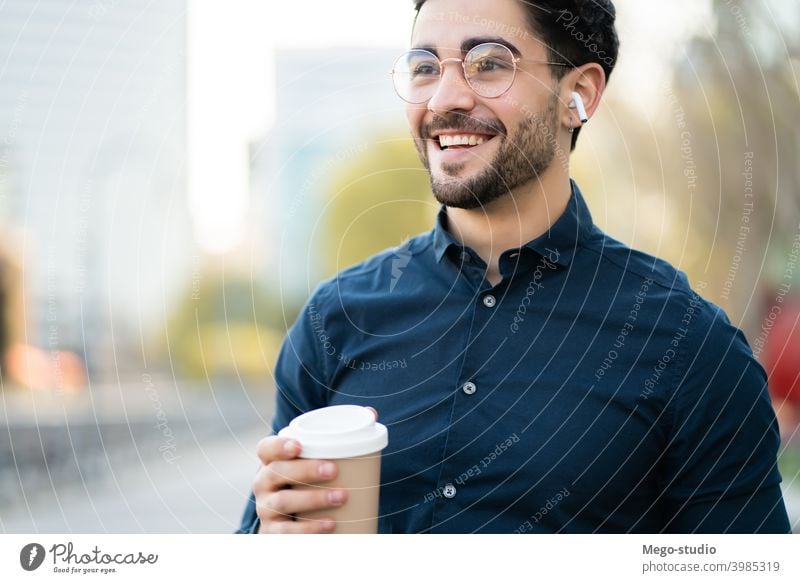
(330, 106)
(11, 322)
(92, 147)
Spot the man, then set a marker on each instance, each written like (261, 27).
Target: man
(535, 374)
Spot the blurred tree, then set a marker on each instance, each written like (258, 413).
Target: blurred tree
(225, 326)
(376, 201)
(739, 91)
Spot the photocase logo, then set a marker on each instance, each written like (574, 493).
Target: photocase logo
(402, 256)
(31, 556)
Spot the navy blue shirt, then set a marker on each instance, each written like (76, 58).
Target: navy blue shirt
(591, 390)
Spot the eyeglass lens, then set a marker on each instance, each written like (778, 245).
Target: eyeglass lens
(488, 68)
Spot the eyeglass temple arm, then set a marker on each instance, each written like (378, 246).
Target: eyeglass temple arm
(519, 60)
(516, 60)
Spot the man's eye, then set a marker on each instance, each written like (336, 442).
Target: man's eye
(488, 64)
(425, 69)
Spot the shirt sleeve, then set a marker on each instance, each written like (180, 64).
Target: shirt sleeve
(301, 371)
(720, 471)
(300, 379)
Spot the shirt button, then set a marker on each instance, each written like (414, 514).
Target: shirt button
(469, 388)
(489, 301)
(449, 491)
(464, 257)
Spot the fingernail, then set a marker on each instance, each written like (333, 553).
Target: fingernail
(328, 525)
(336, 496)
(326, 469)
(290, 446)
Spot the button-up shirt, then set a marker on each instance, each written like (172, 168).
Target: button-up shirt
(591, 390)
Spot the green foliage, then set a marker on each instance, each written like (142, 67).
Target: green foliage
(377, 200)
(225, 325)
(789, 464)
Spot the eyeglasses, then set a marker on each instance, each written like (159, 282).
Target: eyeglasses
(489, 70)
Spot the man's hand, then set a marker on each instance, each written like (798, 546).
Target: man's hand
(277, 502)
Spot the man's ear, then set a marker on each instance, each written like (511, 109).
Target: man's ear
(589, 81)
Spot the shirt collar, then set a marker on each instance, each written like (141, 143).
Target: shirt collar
(558, 244)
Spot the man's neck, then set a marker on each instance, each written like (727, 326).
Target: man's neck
(512, 220)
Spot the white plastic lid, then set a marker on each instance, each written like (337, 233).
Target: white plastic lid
(340, 431)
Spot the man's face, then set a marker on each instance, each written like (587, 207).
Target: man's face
(518, 129)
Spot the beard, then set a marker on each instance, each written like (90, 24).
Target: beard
(518, 160)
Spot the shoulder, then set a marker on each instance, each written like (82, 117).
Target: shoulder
(621, 262)
(716, 348)
(693, 322)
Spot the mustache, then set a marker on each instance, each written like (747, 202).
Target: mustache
(464, 123)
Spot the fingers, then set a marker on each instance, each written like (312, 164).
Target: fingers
(275, 510)
(277, 448)
(318, 526)
(279, 455)
(279, 474)
(284, 503)
(276, 502)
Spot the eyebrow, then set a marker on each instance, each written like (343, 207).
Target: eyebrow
(472, 42)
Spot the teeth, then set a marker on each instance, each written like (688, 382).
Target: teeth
(461, 140)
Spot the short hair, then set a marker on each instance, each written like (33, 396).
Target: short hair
(575, 32)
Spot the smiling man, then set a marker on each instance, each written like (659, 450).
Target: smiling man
(553, 379)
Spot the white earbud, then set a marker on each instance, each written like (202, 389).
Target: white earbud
(577, 103)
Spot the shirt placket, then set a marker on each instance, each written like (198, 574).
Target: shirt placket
(453, 483)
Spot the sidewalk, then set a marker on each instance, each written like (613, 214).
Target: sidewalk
(204, 491)
(155, 456)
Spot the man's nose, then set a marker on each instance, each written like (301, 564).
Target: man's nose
(453, 92)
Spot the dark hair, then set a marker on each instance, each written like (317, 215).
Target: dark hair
(575, 32)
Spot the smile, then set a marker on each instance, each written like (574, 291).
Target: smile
(460, 141)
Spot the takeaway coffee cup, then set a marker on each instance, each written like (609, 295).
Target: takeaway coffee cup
(350, 436)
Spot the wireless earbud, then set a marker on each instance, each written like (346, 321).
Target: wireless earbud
(577, 103)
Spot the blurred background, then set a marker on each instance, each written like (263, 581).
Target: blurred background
(176, 177)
